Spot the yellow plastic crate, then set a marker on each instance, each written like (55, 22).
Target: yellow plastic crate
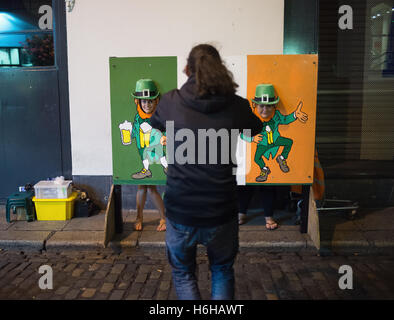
(55, 209)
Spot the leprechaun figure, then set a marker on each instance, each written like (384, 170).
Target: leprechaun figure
(148, 139)
(269, 140)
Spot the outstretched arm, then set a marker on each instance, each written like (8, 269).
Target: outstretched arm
(256, 139)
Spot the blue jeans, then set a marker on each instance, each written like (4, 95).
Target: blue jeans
(222, 248)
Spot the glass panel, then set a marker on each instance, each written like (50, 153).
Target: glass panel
(381, 39)
(14, 54)
(25, 15)
(378, 92)
(38, 50)
(5, 58)
(30, 50)
(26, 37)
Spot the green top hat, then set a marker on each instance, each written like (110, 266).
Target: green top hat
(145, 89)
(265, 94)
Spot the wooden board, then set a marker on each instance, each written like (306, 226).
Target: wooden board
(109, 228)
(294, 78)
(124, 73)
(313, 221)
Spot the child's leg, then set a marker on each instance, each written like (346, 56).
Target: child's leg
(267, 196)
(158, 201)
(245, 194)
(141, 199)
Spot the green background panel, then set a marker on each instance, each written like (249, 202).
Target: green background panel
(124, 73)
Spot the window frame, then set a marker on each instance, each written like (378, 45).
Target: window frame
(29, 32)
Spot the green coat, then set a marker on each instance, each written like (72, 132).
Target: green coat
(155, 150)
(273, 124)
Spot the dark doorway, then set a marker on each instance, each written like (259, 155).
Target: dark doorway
(34, 111)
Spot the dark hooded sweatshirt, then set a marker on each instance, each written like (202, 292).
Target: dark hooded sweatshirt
(198, 194)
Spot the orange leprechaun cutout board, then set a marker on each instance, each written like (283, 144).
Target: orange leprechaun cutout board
(282, 90)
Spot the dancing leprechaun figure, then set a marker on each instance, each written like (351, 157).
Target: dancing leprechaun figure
(269, 140)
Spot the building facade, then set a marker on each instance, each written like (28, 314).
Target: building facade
(55, 95)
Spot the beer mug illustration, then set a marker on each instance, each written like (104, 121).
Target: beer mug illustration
(125, 131)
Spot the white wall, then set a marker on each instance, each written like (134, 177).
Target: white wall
(97, 30)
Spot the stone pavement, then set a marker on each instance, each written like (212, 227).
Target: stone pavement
(372, 231)
(88, 233)
(280, 264)
(144, 274)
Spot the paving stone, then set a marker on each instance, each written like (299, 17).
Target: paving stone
(117, 295)
(107, 287)
(271, 296)
(271, 276)
(17, 281)
(135, 291)
(94, 283)
(165, 285)
(70, 267)
(118, 268)
(62, 290)
(112, 278)
(77, 272)
(123, 285)
(80, 283)
(101, 274)
(162, 295)
(72, 294)
(101, 296)
(63, 240)
(88, 293)
(318, 276)
(15, 239)
(155, 275)
(27, 283)
(141, 277)
(94, 267)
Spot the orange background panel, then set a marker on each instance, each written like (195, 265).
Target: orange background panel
(295, 79)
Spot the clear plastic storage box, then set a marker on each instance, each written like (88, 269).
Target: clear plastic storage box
(52, 190)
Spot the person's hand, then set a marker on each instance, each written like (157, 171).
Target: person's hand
(257, 139)
(301, 116)
(163, 140)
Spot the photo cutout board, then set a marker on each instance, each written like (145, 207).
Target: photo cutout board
(135, 144)
(283, 154)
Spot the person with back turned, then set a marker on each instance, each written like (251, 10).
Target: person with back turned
(200, 198)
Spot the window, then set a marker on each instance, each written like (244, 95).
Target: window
(26, 33)
(381, 36)
(355, 105)
(9, 57)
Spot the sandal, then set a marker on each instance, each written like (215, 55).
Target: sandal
(241, 218)
(162, 225)
(271, 225)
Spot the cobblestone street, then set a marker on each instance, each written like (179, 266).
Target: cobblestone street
(144, 274)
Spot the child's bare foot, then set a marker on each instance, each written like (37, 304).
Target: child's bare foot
(270, 224)
(162, 225)
(138, 225)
